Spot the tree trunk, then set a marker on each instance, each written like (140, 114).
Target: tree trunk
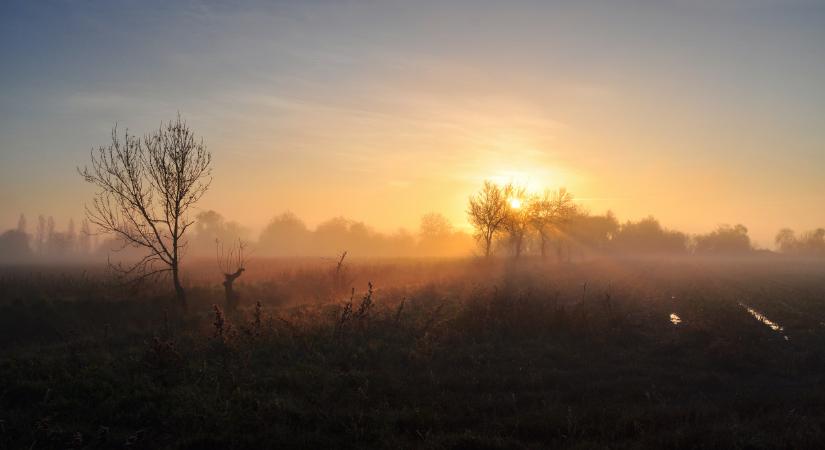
(180, 293)
(488, 241)
(229, 291)
(229, 294)
(543, 247)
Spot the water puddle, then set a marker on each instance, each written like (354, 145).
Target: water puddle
(674, 319)
(764, 319)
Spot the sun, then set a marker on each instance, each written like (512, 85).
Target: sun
(515, 203)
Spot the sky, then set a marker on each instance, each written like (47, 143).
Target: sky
(697, 112)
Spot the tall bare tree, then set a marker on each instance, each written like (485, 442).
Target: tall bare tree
(549, 212)
(487, 212)
(146, 188)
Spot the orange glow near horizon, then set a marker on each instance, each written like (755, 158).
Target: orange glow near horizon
(352, 111)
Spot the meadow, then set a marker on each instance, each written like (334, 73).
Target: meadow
(452, 353)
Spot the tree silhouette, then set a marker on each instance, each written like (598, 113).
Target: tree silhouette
(809, 243)
(14, 246)
(84, 239)
(21, 223)
(50, 242)
(648, 236)
(209, 226)
(146, 188)
(585, 232)
(40, 235)
(487, 212)
(786, 241)
(725, 239)
(813, 242)
(435, 234)
(71, 237)
(549, 212)
(286, 234)
(434, 226)
(231, 262)
(517, 219)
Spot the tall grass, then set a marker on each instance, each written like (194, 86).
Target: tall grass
(476, 355)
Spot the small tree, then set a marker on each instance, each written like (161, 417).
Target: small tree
(231, 262)
(487, 212)
(14, 246)
(725, 239)
(786, 241)
(146, 188)
(517, 217)
(84, 239)
(549, 213)
(434, 235)
(50, 235)
(21, 224)
(40, 235)
(813, 242)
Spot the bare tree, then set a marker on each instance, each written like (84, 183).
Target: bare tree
(549, 213)
(50, 235)
(434, 226)
(231, 263)
(340, 276)
(725, 239)
(487, 212)
(146, 188)
(40, 236)
(21, 223)
(786, 240)
(813, 242)
(84, 239)
(435, 235)
(517, 217)
(71, 237)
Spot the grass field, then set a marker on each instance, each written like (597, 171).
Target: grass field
(440, 354)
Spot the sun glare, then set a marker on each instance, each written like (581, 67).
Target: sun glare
(515, 203)
(533, 180)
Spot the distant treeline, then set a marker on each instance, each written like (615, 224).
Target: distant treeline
(46, 242)
(288, 235)
(510, 218)
(578, 234)
(810, 243)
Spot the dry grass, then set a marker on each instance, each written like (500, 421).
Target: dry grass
(441, 354)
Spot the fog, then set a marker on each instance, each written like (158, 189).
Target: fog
(46, 240)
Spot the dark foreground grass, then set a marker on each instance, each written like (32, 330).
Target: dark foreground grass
(528, 358)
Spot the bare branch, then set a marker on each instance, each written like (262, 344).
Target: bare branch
(145, 190)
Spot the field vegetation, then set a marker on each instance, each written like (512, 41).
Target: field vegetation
(419, 354)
